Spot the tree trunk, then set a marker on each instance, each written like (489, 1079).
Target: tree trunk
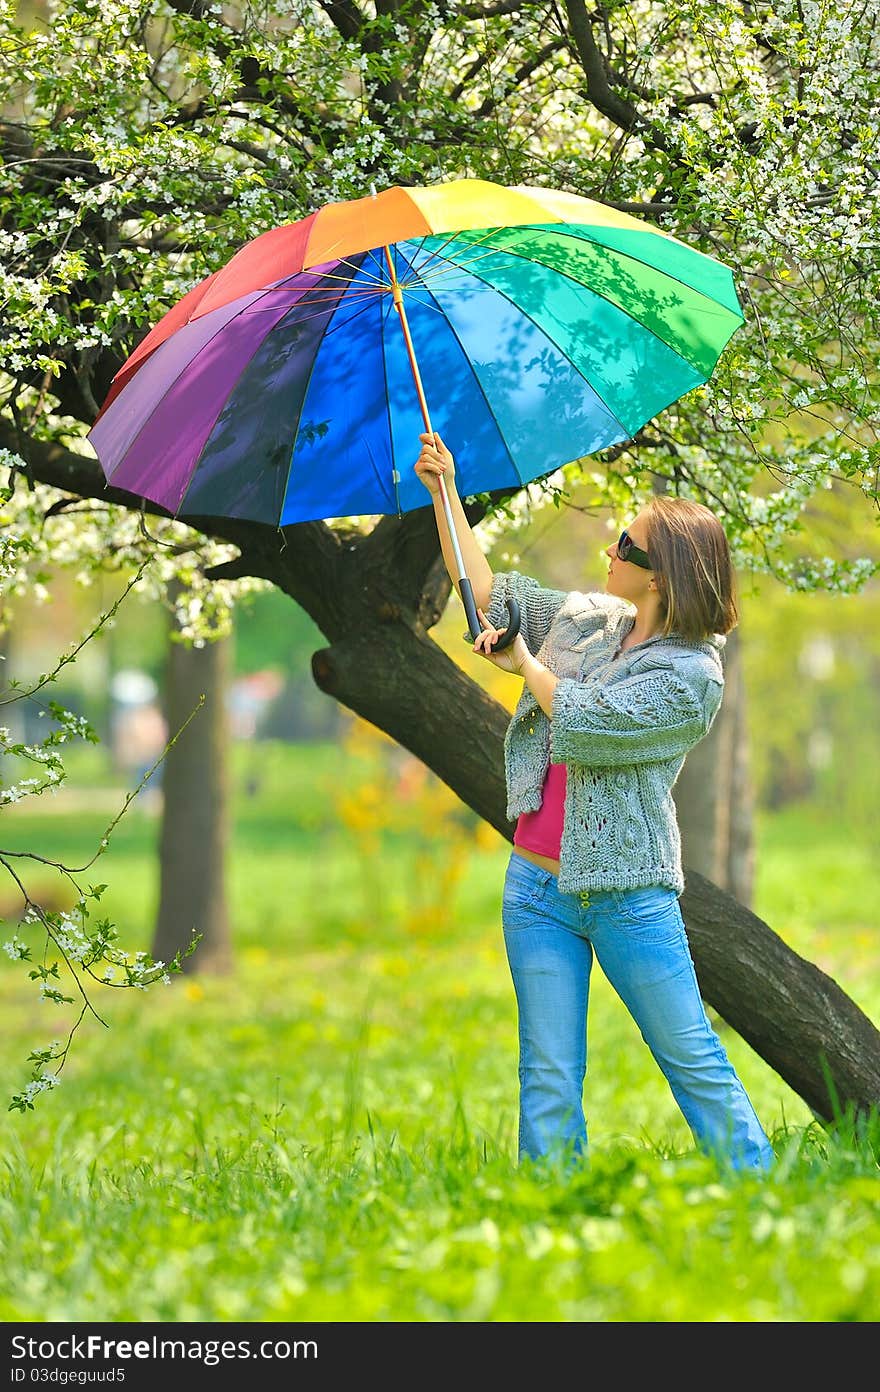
(702, 795)
(793, 1015)
(13, 710)
(713, 795)
(739, 870)
(194, 831)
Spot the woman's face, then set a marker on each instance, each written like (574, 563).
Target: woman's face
(626, 579)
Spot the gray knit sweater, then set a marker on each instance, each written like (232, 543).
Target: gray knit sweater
(622, 725)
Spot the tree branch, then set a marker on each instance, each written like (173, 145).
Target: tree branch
(524, 71)
(500, 7)
(603, 97)
(346, 16)
(252, 73)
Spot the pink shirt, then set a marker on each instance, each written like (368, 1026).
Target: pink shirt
(541, 831)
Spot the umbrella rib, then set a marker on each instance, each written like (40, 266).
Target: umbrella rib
(438, 251)
(519, 309)
(369, 300)
(560, 230)
(387, 411)
(450, 266)
(333, 297)
(431, 254)
(598, 293)
(425, 271)
(366, 295)
(356, 267)
(302, 404)
(157, 404)
(482, 392)
(188, 482)
(324, 275)
(382, 278)
(350, 320)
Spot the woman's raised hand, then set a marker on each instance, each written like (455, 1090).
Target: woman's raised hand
(434, 459)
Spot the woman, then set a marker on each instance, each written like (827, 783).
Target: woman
(618, 686)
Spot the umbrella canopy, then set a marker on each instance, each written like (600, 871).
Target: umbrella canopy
(280, 389)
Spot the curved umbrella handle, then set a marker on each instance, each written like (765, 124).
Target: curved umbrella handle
(476, 628)
(512, 629)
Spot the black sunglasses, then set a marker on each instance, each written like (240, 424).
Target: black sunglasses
(628, 551)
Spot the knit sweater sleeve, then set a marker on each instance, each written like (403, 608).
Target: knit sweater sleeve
(538, 606)
(656, 715)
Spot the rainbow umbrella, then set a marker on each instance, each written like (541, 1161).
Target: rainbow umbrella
(280, 389)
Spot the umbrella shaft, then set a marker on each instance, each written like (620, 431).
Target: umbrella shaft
(453, 534)
(397, 294)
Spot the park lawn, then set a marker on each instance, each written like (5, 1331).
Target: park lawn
(329, 1134)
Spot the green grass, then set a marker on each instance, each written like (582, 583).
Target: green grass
(329, 1134)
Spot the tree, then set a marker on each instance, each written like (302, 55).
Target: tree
(713, 794)
(720, 121)
(195, 812)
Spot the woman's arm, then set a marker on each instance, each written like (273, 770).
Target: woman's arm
(657, 715)
(540, 681)
(435, 460)
(491, 590)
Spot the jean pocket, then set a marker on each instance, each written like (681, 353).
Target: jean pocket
(648, 908)
(525, 885)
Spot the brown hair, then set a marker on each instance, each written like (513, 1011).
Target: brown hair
(692, 565)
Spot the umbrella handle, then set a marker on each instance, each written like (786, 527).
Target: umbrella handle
(476, 628)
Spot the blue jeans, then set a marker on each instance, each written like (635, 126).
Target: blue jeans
(639, 938)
